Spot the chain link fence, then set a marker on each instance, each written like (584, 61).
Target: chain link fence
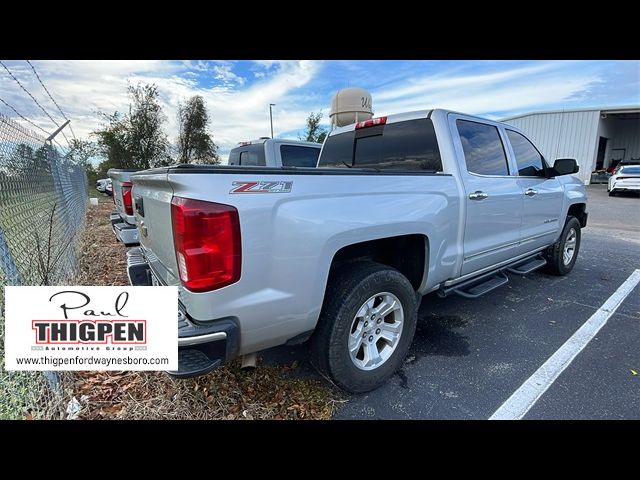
(43, 201)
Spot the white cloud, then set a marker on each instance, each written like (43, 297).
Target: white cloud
(501, 91)
(449, 80)
(224, 73)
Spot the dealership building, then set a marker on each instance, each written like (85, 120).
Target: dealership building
(595, 137)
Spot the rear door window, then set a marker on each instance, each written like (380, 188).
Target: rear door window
(299, 156)
(409, 145)
(483, 149)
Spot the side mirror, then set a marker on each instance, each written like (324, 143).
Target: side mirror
(565, 166)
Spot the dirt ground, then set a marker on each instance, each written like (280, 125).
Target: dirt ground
(267, 392)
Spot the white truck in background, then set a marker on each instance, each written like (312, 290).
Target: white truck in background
(123, 220)
(275, 152)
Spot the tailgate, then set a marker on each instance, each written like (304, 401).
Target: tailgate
(152, 196)
(118, 176)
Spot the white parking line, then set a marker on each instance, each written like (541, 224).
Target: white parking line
(518, 404)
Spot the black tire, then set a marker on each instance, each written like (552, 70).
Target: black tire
(612, 193)
(348, 289)
(554, 254)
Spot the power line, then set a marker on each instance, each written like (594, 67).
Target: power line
(32, 98)
(24, 118)
(51, 97)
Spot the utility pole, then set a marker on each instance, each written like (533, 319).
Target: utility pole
(271, 117)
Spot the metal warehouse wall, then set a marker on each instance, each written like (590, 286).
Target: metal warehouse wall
(627, 135)
(568, 135)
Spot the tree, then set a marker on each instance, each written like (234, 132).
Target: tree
(314, 132)
(146, 141)
(135, 139)
(20, 161)
(113, 142)
(81, 151)
(195, 145)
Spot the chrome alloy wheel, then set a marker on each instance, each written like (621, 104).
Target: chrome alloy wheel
(375, 331)
(569, 246)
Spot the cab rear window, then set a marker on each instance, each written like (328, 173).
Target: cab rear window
(248, 155)
(408, 145)
(299, 156)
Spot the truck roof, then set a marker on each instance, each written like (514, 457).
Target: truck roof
(401, 117)
(277, 140)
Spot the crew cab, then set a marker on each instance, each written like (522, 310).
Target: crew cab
(123, 222)
(275, 152)
(340, 255)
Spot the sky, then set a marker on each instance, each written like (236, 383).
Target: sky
(238, 93)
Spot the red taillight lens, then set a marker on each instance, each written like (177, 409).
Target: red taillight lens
(371, 122)
(126, 198)
(206, 236)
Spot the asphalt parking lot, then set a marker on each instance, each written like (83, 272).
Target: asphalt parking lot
(469, 356)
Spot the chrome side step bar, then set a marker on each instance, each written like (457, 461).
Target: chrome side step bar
(478, 286)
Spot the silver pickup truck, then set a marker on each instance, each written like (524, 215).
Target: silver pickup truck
(340, 255)
(123, 222)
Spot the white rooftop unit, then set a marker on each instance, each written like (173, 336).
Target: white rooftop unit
(350, 105)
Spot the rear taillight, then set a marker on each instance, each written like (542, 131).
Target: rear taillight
(206, 236)
(126, 198)
(371, 122)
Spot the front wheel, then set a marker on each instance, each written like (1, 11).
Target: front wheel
(562, 255)
(366, 326)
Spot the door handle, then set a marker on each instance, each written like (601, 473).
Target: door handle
(478, 195)
(531, 192)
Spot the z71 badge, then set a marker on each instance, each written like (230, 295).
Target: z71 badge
(261, 187)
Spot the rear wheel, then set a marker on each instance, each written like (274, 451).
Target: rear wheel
(612, 193)
(366, 326)
(562, 255)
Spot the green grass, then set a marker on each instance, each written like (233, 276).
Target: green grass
(18, 390)
(102, 197)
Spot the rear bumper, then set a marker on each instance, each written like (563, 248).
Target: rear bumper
(202, 347)
(125, 233)
(625, 188)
